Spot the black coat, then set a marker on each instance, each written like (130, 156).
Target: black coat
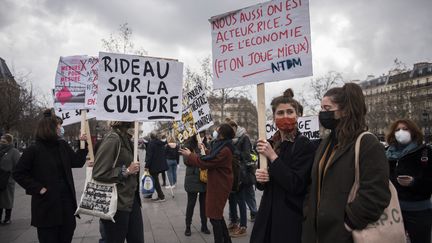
(38, 168)
(280, 214)
(192, 181)
(155, 156)
(413, 165)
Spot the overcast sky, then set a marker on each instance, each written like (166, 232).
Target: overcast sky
(355, 38)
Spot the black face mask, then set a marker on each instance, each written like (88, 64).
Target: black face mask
(327, 119)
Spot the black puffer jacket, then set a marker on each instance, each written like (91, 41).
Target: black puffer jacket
(418, 164)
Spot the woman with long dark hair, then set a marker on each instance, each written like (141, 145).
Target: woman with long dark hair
(329, 218)
(411, 173)
(44, 171)
(290, 157)
(219, 178)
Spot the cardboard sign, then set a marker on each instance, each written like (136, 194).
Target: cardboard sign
(185, 128)
(308, 126)
(137, 88)
(198, 104)
(70, 83)
(262, 43)
(91, 65)
(72, 116)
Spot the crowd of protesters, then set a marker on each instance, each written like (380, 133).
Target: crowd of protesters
(305, 184)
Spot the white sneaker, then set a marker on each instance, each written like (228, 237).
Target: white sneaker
(167, 187)
(173, 186)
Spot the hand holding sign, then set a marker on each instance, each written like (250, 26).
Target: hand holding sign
(264, 148)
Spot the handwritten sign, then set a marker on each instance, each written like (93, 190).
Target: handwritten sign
(308, 126)
(70, 83)
(198, 104)
(265, 42)
(72, 116)
(185, 128)
(91, 69)
(137, 88)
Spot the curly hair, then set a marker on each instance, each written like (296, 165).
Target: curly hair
(416, 134)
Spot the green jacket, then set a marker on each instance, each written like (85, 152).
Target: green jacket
(103, 171)
(326, 214)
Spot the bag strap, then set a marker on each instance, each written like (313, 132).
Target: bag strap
(356, 183)
(118, 153)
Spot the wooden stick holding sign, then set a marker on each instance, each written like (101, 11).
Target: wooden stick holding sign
(199, 139)
(136, 130)
(89, 142)
(83, 127)
(261, 121)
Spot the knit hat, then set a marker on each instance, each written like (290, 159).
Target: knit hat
(6, 138)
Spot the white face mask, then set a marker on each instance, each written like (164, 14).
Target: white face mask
(403, 136)
(215, 134)
(60, 132)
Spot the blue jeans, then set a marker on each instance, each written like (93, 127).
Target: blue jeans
(172, 171)
(249, 197)
(237, 198)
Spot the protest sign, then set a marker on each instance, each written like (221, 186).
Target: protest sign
(262, 43)
(72, 116)
(137, 88)
(70, 83)
(184, 128)
(91, 68)
(308, 126)
(197, 102)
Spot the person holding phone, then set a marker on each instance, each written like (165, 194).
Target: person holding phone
(411, 172)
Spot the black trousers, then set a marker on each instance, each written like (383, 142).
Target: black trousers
(220, 231)
(62, 233)
(128, 226)
(191, 201)
(157, 185)
(418, 224)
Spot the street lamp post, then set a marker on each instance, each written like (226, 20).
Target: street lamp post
(425, 116)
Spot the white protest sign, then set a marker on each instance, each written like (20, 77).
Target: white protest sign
(137, 88)
(308, 126)
(70, 83)
(72, 116)
(91, 68)
(198, 103)
(262, 43)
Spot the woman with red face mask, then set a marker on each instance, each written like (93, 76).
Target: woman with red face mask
(284, 181)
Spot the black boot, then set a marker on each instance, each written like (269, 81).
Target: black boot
(7, 219)
(205, 230)
(188, 231)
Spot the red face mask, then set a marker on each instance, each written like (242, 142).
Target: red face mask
(286, 124)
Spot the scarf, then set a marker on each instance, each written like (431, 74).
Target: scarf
(397, 151)
(216, 147)
(277, 139)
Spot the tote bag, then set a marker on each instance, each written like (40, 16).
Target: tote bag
(389, 228)
(99, 199)
(147, 184)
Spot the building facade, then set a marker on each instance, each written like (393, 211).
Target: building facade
(400, 95)
(241, 110)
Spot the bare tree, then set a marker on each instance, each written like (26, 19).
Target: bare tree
(311, 100)
(122, 42)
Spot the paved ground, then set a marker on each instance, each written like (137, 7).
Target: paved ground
(163, 222)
